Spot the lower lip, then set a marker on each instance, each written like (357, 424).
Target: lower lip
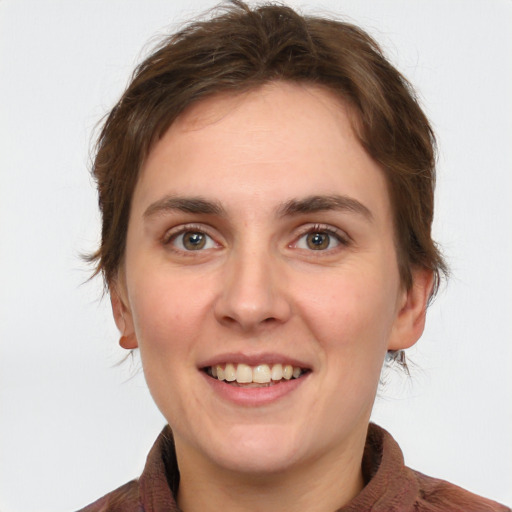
(253, 397)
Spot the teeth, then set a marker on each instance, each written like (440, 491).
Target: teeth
(243, 374)
(261, 374)
(230, 372)
(277, 372)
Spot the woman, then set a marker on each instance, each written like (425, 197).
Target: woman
(266, 185)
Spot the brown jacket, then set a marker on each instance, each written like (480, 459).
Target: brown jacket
(390, 486)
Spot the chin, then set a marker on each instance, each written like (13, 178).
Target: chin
(256, 449)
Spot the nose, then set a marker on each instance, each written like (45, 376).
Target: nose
(253, 293)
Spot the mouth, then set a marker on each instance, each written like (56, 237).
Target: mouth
(262, 375)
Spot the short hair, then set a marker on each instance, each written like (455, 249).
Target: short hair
(241, 48)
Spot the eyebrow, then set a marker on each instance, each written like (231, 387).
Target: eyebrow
(321, 203)
(310, 204)
(195, 205)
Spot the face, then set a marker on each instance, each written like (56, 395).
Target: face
(260, 250)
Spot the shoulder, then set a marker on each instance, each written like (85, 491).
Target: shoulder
(124, 499)
(394, 487)
(436, 494)
(152, 490)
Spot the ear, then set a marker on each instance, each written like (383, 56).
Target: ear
(410, 321)
(123, 316)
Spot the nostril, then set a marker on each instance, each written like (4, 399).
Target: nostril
(250, 306)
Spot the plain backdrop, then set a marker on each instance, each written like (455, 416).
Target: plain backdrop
(73, 423)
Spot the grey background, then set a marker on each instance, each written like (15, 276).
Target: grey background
(73, 425)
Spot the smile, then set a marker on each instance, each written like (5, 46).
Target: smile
(254, 376)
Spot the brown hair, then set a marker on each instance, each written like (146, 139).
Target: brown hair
(242, 48)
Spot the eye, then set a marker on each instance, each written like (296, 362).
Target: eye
(192, 241)
(320, 239)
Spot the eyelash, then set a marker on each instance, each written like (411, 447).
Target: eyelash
(171, 235)
(340, 237)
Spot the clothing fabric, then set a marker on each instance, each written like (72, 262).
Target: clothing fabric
(390, 485)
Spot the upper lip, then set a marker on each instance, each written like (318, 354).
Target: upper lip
(253, 359)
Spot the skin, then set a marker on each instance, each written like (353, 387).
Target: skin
(258, 288)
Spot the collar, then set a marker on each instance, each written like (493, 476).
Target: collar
(388, 482)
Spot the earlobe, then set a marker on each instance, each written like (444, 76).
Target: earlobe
(123, 320)
(128, 342)
(410, 321)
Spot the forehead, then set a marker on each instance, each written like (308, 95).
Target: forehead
(282, 138)
(280, 93)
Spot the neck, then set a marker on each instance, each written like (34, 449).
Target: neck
(323, 485)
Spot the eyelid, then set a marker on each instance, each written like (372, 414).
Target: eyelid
(172, 233)
(341, 236)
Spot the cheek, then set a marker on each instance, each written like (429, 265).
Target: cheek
(169, 317)
(355, 316)
(168, 311)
